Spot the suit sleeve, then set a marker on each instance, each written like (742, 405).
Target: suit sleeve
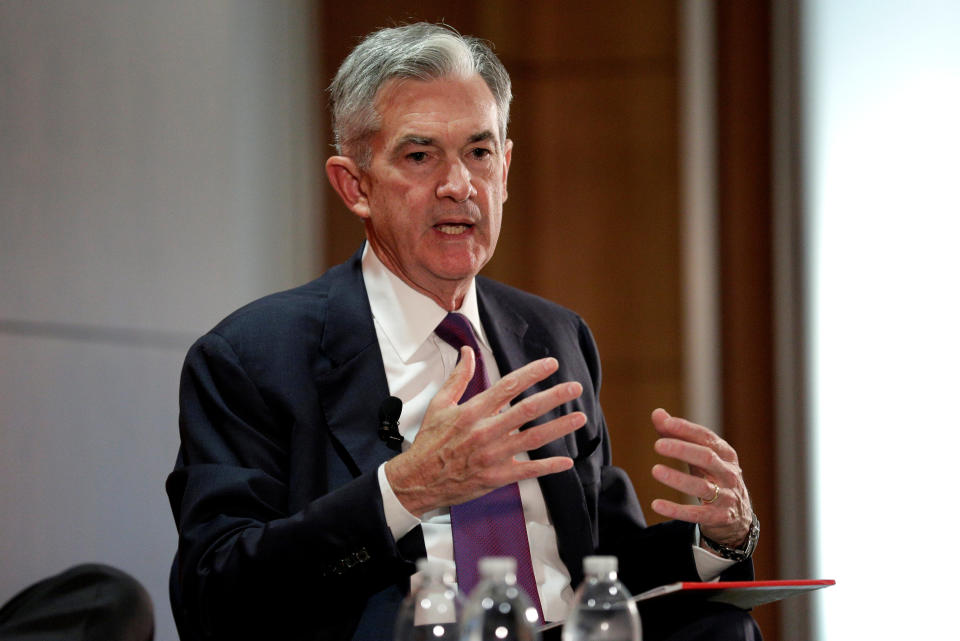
(247, 565)
(649, 556)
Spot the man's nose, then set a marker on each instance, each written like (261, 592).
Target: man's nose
(456, 183)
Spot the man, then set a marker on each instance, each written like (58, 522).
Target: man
(295, 520)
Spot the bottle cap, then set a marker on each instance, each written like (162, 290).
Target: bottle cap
(436, 570)
(497, 567)
(431, 567)
(599, 564)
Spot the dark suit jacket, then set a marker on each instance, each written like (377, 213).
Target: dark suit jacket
(275, 492)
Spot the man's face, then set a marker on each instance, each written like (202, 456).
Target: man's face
(437, 181)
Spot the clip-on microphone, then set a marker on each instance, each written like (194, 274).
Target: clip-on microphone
(389, 429)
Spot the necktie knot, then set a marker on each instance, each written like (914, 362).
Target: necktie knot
(455, 330)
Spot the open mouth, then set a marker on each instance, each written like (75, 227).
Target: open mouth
(453, 229)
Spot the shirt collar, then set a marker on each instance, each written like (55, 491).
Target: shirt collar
(406, 317)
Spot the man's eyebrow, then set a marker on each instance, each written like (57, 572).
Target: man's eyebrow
(411, 139)
(414, 139)
(483, 135)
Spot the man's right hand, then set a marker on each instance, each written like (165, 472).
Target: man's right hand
(465, 451)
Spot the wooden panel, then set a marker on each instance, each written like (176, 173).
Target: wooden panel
(597, 231)
(579, 33)
(745, 204)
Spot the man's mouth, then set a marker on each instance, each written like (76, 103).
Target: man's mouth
(453, 229)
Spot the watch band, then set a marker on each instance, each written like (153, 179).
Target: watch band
(742, 553)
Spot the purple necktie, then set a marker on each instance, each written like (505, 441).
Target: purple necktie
(493, 524)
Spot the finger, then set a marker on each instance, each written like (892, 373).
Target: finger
(521, 470)
(533, 407)
(677, 427)
(690, 513)
(453, 388)
(512, 472)
(681, 428)
(538, 436)
(512, 385)
(678, 511)
(695, 486)
(698, 457)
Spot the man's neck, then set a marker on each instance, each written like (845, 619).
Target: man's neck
(405, 315)
(447, 294)
(451, 303)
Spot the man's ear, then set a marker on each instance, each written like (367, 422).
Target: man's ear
(507, 155)
(347, 180)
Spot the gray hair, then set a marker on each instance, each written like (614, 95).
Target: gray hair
(420, 51)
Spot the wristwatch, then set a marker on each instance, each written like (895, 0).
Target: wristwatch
(742, 553)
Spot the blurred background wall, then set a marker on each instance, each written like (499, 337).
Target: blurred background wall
(674, 181)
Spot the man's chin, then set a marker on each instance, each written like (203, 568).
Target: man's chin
(459, 266)
(463, 272)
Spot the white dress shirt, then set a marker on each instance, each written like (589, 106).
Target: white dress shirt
(417, 362)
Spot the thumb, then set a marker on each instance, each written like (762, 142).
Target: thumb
(456, 384)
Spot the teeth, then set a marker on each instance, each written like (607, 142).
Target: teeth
(453, 229)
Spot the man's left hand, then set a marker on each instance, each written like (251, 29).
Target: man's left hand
(715, 478)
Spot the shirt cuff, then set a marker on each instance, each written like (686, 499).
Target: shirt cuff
(709, 565)
(398, 519)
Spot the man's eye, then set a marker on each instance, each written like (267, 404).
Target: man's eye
(417, 156)
(480, 153)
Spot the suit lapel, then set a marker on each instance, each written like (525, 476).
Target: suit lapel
(514, 344)
(351, 378)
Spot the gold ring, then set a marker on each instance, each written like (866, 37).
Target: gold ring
(716, 494)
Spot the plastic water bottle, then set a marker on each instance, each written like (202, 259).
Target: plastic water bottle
(431, 611)
(602, 609)
(498, 609)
